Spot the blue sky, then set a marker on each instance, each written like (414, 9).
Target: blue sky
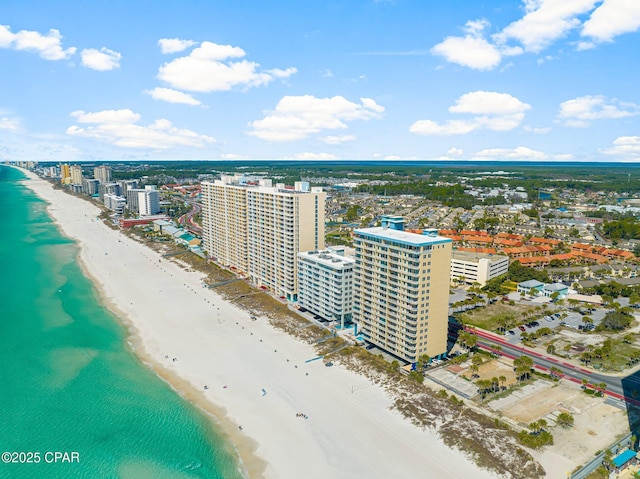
(320, 79)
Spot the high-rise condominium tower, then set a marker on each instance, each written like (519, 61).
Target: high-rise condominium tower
(258, 229)
(401, 289)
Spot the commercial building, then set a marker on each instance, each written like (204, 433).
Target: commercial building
(102, 173)
(401, 289)
(549, 290)
(325, 284)
(256, 228)
(469, 267)
(533, 287)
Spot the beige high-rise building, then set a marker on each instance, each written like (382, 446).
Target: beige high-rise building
(224, 222)
(259, 229)
(401, 289)
(102, 173)
(76, 175)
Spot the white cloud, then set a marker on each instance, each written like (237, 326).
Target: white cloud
(11, 124)
(297, 117)
(625, 147)
(233, 156)
(519, 153)
(564, 157)
(118, 127)
(101, 60)
(488, 103)
(582, 45)
(544, 22)
(612, 18)
(537, 130)
(326, 73)
(210, 68)
(172, 96)
(451, 127)
(493, 110)
(471, 50)
(48, 46)
(314, 156)
(455, 152)
(174, 45)
(336, 140)
(580, 111)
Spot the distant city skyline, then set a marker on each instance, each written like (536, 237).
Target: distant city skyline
(552, 80)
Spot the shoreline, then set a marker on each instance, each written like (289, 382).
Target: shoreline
(212, 348)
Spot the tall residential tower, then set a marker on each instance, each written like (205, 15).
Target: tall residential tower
(258, 229)
(401, 289)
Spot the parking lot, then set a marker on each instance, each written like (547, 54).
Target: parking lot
(554, 319)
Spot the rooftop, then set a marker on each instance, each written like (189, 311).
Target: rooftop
(403, 236)
(473, 256)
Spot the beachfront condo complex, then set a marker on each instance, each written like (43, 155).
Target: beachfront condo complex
(401, 289)
(325, 284)
(257, 229)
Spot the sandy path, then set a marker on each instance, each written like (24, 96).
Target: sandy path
(350, 431)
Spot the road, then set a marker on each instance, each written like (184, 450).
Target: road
(619, 387)
(187, 221)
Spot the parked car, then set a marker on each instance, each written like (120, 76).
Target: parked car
(521, 328)
(511, 331)
(534, 323)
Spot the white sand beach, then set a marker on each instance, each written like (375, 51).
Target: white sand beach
(349, 432)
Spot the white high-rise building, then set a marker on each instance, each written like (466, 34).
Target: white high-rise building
(133, 204)
(401, 289)
(258, 229)
(115, 203)
(148, 202)
(325, 284)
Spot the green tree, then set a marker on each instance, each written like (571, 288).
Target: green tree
(565, 420)
(523, 366)
(416, 376)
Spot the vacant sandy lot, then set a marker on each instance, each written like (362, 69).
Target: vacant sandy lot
(596, 426)
(494, 369)
(536, 406)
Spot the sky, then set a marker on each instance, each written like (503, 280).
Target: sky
(552, 80)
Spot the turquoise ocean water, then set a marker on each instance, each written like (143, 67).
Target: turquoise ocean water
(68, 382)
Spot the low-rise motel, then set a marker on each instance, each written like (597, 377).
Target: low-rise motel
(401, 289)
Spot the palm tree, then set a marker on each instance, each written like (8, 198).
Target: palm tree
(495, 384)
(551, 349)
(585, 383)
(523, 366)
(503, 380)
(556, 373)
(587, 320)
(483, 386)
(601, 388)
